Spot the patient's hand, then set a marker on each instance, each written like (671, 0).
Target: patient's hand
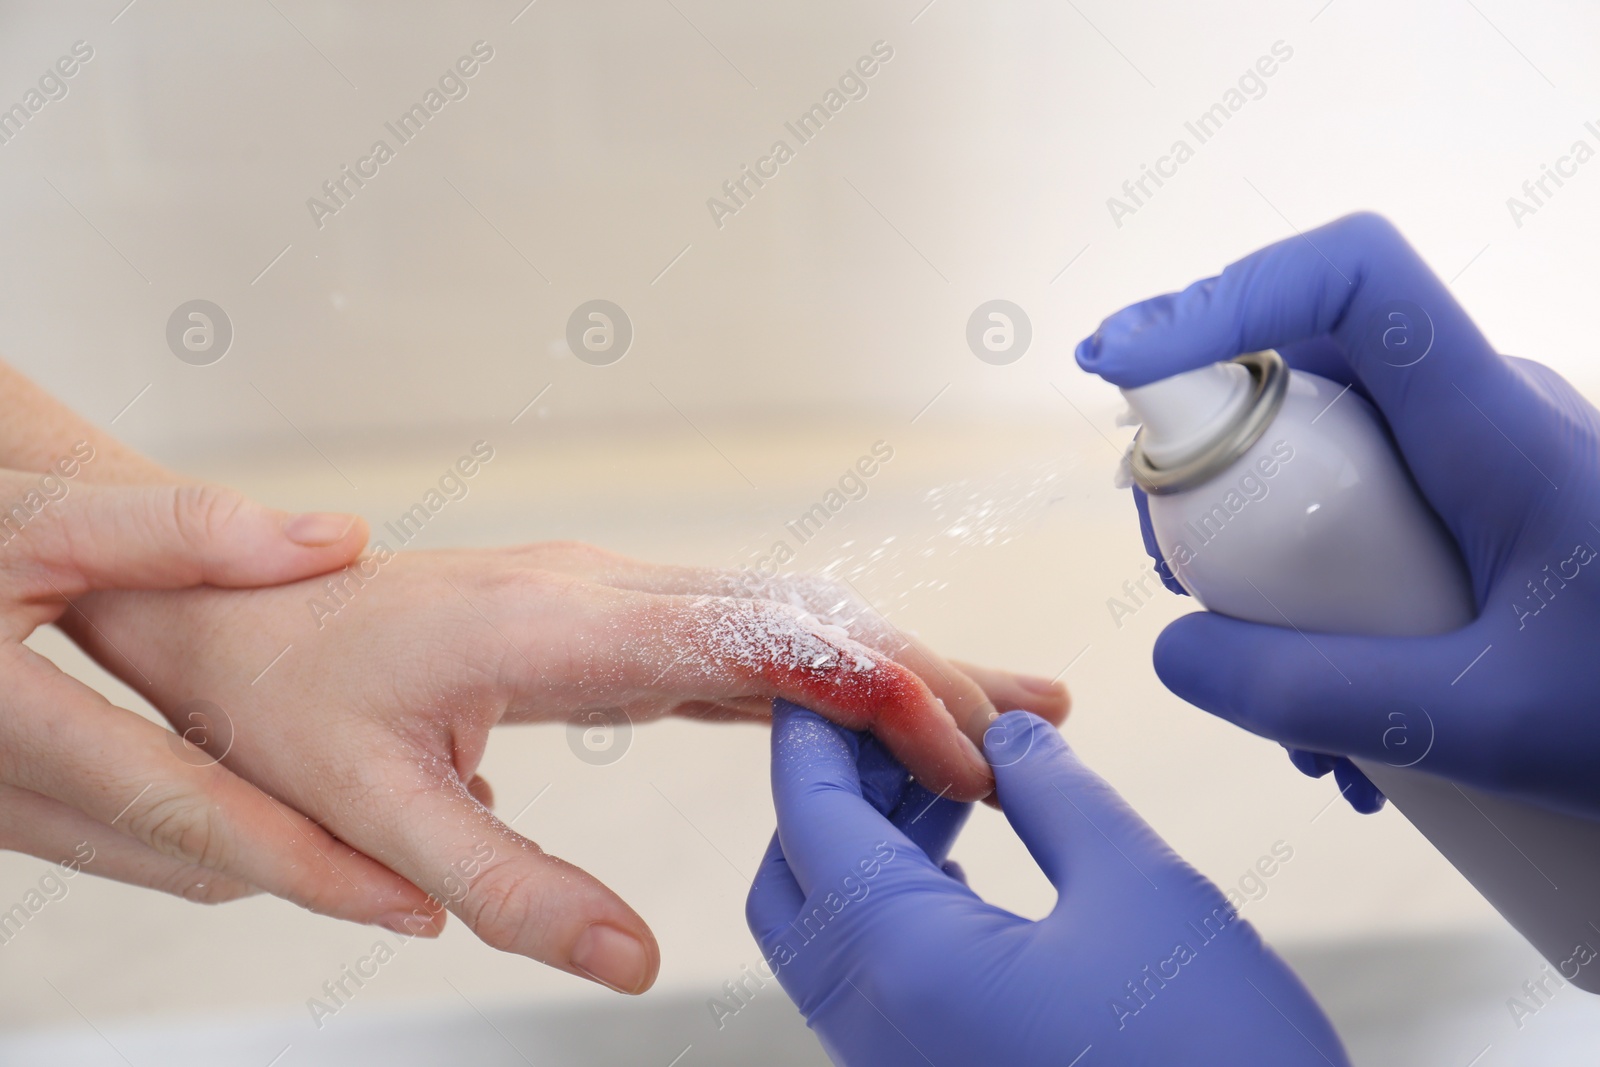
(375, 719)
(88, 784)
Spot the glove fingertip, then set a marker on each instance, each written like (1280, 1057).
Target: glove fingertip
(1357, 788)
(1141, 504)
(1310, 764)
(792, 725)
(1088, 352)
(810, 753)
(1015, 736)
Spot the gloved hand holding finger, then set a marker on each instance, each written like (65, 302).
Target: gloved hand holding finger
(893, 960)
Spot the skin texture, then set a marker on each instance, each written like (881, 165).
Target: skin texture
(80, 777)
(375, 723)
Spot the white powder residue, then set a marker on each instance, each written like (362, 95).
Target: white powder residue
(832, 608)
(757, 634)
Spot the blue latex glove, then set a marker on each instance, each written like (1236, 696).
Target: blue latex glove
(893, 961)
(1504, 450)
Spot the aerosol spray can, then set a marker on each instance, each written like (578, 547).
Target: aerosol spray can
(1277, 497)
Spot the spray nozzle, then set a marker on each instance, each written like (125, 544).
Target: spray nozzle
(1185, 414)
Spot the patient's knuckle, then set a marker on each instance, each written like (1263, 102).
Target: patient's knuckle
(512, 593)
(569, 555)
(577, 551)
(186, 826)
(502, 907)
(201, 513)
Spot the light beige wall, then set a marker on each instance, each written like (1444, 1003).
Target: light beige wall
(977, 166)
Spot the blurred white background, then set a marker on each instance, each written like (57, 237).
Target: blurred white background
(769, 353)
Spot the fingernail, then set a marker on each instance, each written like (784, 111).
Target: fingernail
(612, 958)
(317, 529)
(1035, 684)
(1089, 349)
(409, 924)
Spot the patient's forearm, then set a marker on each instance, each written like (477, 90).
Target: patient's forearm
(36, 430)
